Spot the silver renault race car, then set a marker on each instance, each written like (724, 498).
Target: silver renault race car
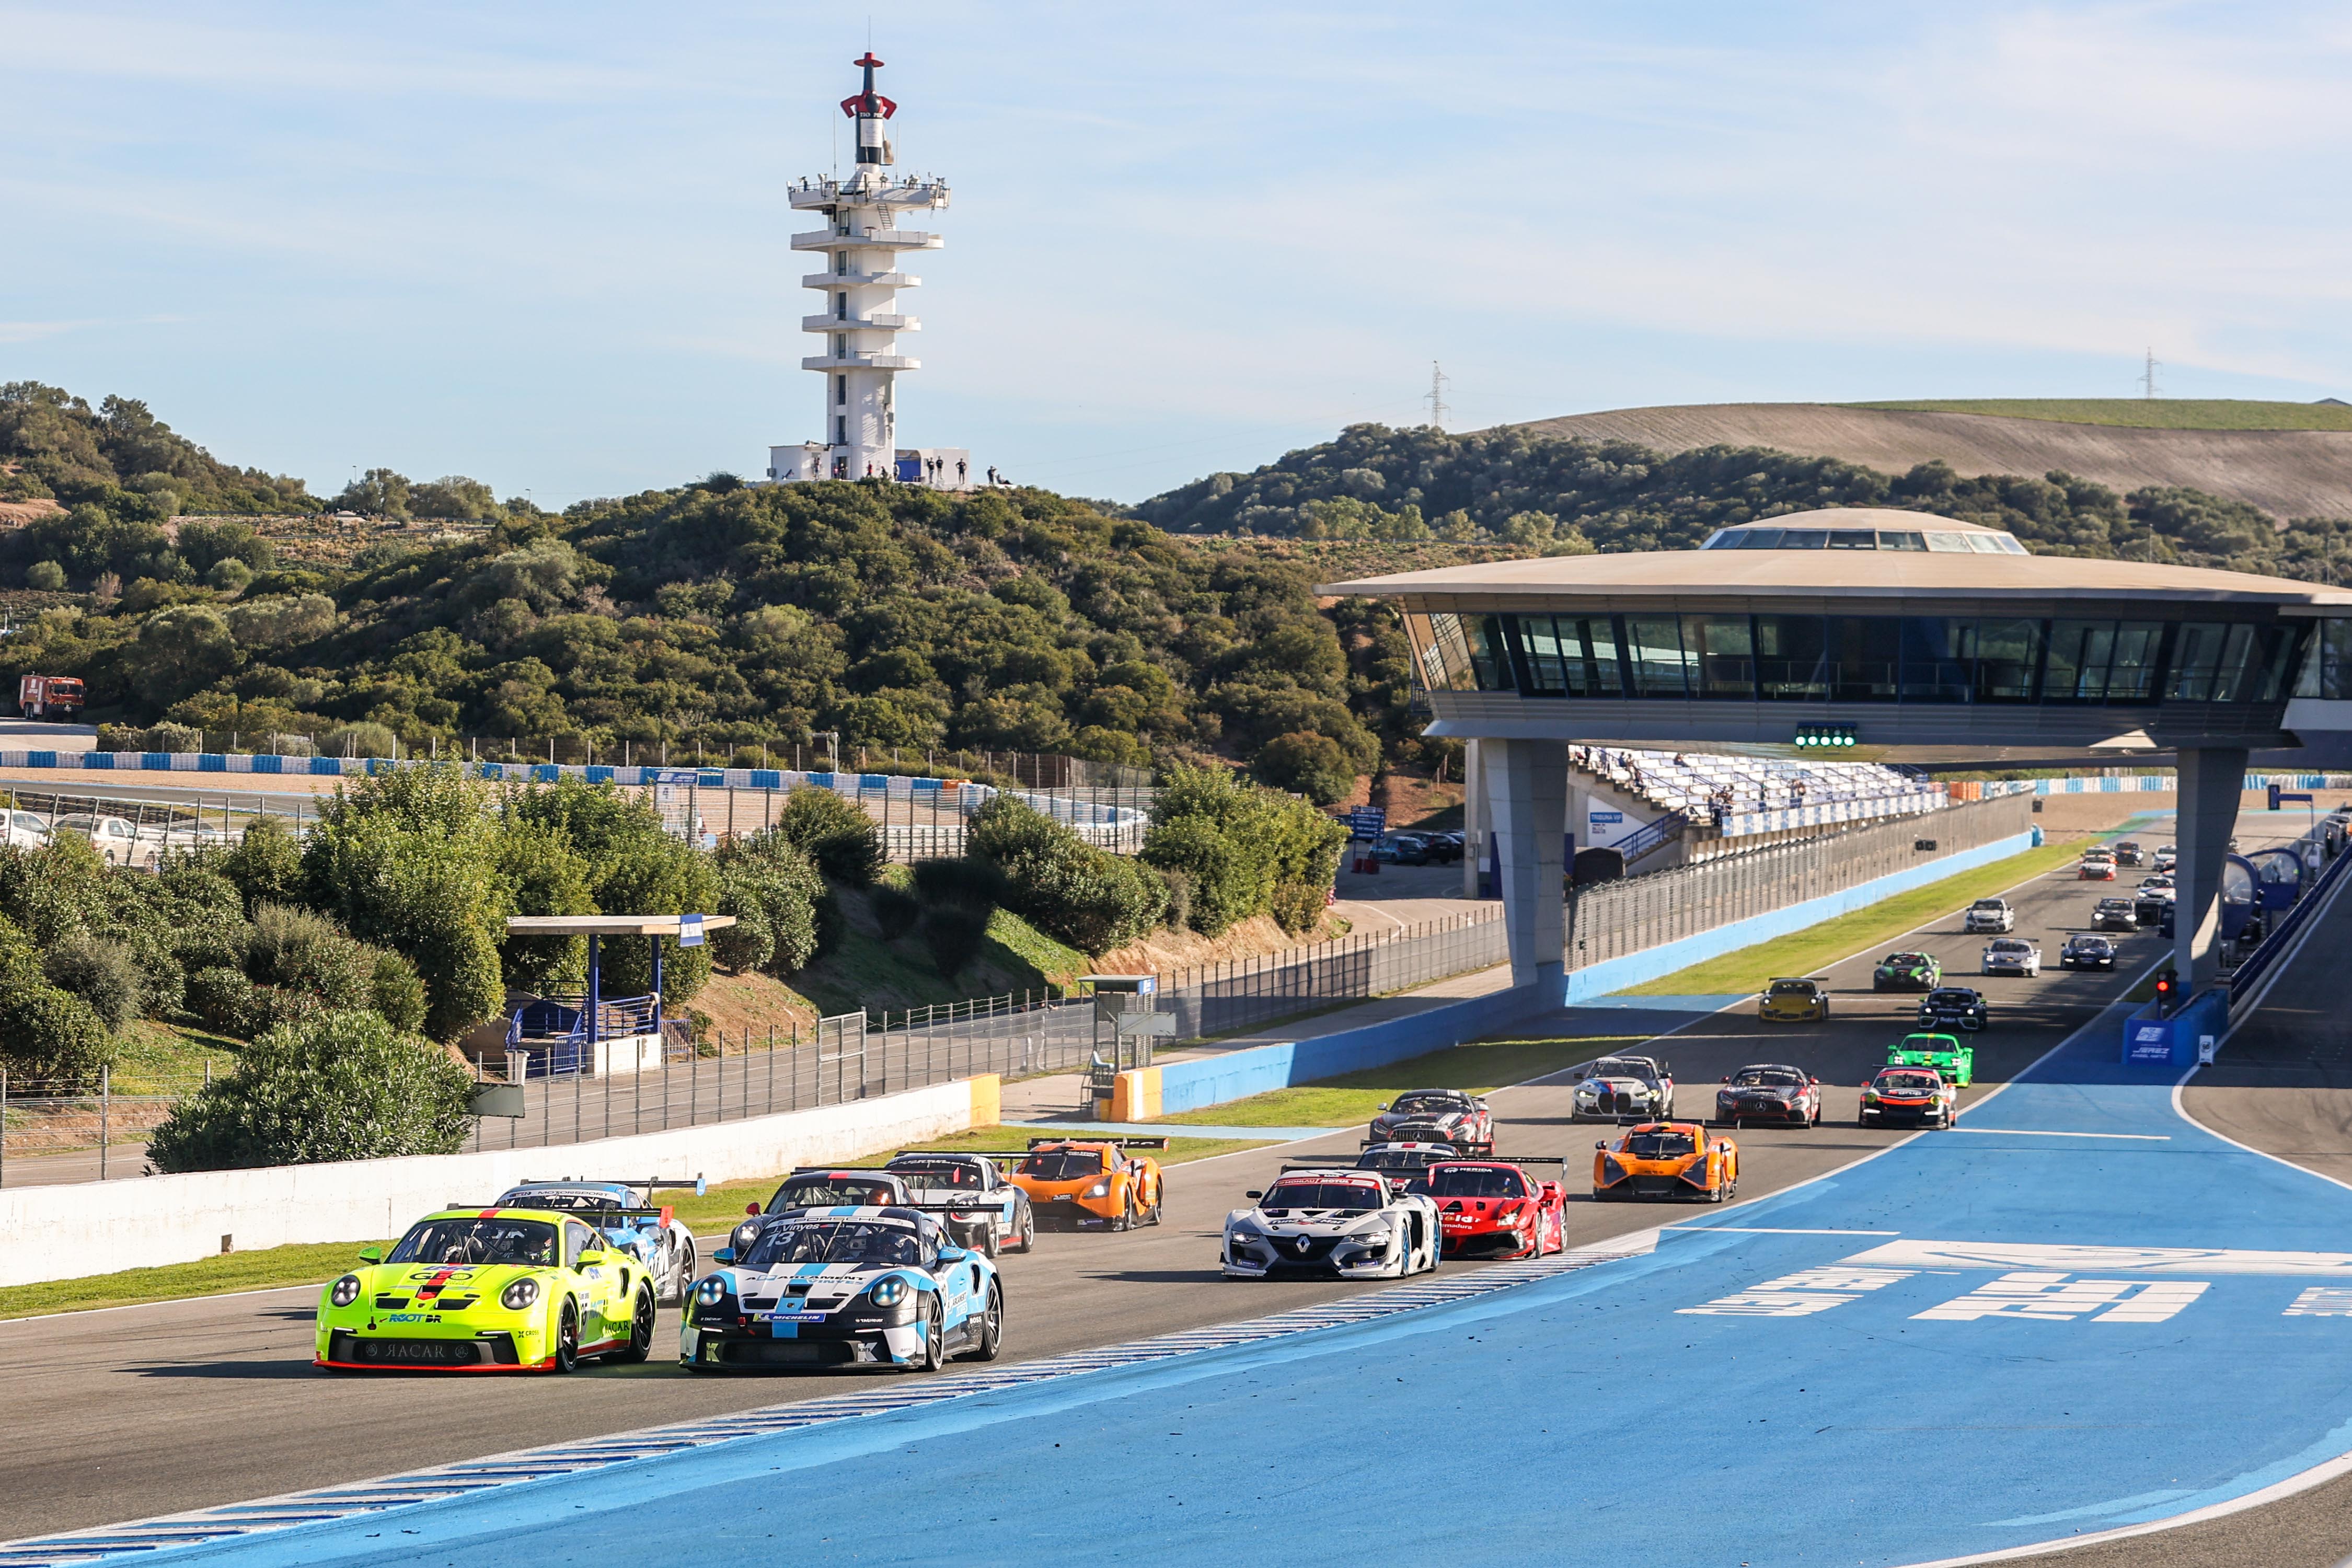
(1333, 1224)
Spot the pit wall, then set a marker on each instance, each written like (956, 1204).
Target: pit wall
(99, 1227)
(1174, 1086)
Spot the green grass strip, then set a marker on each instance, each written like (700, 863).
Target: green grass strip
(2141, 413)
(1818, 947)
(1477, 1067)
(310, 1263)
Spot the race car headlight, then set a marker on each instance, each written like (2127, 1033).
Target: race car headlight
(1245, 1233)
(1870, 1097)
(1100, 1189)
(519, 1295)
(711, 1291)
(887, 1292)
(1609, 1169)
(346, 1290)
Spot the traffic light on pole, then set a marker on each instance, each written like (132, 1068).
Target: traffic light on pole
(2168, 993)
(1825, 737)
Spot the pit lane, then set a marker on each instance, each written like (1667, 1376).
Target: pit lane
(139, 1411)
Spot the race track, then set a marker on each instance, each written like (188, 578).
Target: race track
(147, 1410)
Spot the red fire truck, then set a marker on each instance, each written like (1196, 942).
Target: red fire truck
(50, 696)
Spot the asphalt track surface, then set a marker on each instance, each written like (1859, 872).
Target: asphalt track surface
(139, 1411)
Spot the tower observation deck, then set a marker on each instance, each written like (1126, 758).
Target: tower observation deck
(861, 253)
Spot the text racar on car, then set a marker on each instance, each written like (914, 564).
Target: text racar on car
(1435, 1116)
(1496, 1208)
(1086, 1183)
(844, 1286)
(488, 1289)
(2085, 950)
(626, 1213)
(1617, 1086)
(1953, 1060)
(1335, 1224)
(1793, 1000)
(2012, 956)
(1907, 971)
(1770, 1091)
(1665, 1160)
(1951, 1007)
(1909, 1096)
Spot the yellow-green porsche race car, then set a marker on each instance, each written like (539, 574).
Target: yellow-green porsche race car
(490, 1290)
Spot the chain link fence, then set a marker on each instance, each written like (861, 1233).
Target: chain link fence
(1612, 919)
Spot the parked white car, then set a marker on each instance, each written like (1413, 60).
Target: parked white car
(2012, 956)
(1992, 915)
(25, 829)
(118, 843)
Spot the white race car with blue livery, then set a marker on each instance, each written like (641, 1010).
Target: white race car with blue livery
(879, 1286)
(969, 1185)
(632, 1219)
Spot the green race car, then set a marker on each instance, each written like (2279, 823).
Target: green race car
(489, 1289)
(1908, 971)
(1957, 1062)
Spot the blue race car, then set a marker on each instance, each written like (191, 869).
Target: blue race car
(844, 1286)
(631, 1220)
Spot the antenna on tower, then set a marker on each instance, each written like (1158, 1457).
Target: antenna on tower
(1438, 381)
(2148, 377)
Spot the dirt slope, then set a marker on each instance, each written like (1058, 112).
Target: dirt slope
(2288, 473)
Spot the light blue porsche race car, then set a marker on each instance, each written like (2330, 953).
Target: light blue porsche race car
(631, 1218)
(844, 1286)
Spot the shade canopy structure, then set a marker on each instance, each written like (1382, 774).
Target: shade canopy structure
(613, 925)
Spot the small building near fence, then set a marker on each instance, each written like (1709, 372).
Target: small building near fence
(589, 1033)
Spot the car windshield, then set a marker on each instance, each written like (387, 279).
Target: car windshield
(1669, 1145)
(2093, 943)
(1476, 1181)
(1792, 989)
(1767, 1077)
(1063, 1164)
(1618, 1066)
(1906, 959)
(463, 1242)
(1401, 1159)
(938, 1173)
(1951, 998)
(1311, 1195)
(2112, 906)
(567, 1203)
(1909, 1083)
(831, 1192)
(1427, 1104)
(2007, 947)
(839, 1241)
(1994, 905)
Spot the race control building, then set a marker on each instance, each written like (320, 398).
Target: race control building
(1926, 639)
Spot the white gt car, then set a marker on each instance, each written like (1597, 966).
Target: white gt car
(1335, 1224)
(2012, 956)
(1625, 1086)
(971, 1184)
(1992, 915)
(631, 1216)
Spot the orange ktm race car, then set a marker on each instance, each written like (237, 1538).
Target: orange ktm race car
(1665, 1160)
(1087, 1182)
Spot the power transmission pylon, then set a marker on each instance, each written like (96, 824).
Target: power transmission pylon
(2148, 377)
(1438, 381)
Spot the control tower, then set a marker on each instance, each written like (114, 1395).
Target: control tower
(860, 251)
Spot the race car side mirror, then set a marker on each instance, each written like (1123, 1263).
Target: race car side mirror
(371, 1255)
(1254, 1194)
(723, 1255)
(750, 1208)
(593, 1256)
(1601, 1142)
(1727, 1078)
(952, 1254)
(1384, 1105)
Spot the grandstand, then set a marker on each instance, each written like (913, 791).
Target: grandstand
(1706, 802)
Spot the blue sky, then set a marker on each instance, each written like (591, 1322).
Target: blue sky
(544, 244)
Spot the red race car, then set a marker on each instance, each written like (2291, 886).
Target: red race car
(1491, 1208)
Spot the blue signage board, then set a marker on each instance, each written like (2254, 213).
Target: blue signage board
(690, 931)
(1366, 821)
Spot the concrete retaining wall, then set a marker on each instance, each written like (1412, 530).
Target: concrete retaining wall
(99, 1227)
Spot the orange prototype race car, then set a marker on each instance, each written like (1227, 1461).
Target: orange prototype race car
(1086, 1182)
(1665, 1160)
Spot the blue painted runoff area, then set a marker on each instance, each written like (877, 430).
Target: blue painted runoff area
(1694, 1004)
(2079, 1311)
(1177, 1130)
(1639, 968)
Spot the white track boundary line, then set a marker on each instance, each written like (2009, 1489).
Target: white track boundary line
(2277, 1491)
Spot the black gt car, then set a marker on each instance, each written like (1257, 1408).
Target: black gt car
(2128, 852)
(1769, 1093)
(2083, 950)
(1435, 1116)
(1949, 1007)
(2115, 914)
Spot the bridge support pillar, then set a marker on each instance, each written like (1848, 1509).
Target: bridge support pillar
(2210, 781)
(1526, 796)
(1475, 815)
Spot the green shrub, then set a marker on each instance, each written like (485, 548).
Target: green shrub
(334, 1086)
(771, 886)
(46, 1035)
(57, 890)
(846, 843)
(267, 863)
(747, 945)
(362, 740)
(103, 973)
(963, 883)
(896, 911)
(1227, 886)
(1067, 887)
(954, 933)
(221, 998)
(46, 576)
(1312, 764)
(174, 738)
(301, 950)
(398, 992)
(1248, 851)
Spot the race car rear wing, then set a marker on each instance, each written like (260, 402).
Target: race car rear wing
(651, 1184)
(1086, 1138)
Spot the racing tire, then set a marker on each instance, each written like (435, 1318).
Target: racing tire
(641, 1329)
(991, 1243)
(1127, 1219)
(992, 1328)
(1151, 1214)
(683, 1274)
(935, 1354)
(565, 1356)
(1028, 1229)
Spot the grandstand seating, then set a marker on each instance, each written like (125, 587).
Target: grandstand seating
(1707, 787)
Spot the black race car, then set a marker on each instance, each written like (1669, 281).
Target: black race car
(2115, 914)
(2084, 951)
(2128, 852)
(1949, 1007)
(1435, 1116)
(1768, 1092)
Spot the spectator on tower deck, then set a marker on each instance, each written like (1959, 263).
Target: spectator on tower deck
(961, 470)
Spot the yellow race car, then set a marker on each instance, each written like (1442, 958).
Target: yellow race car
(1665, 1160)
(1083, 1182)
(1793, 1001)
